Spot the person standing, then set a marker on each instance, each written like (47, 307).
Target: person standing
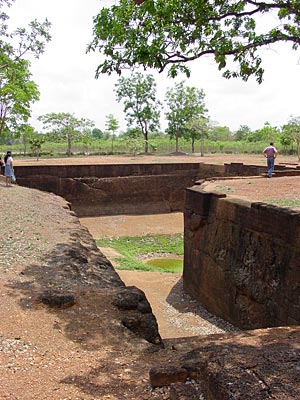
(270, 153)
(1, 166)
(9, 169)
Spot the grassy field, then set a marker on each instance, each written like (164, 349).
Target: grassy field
(138, 248)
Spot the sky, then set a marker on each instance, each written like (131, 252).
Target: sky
(65, 74)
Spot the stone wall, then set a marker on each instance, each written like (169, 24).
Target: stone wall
(125, 188)
(242, 259)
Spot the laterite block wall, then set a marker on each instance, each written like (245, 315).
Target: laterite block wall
(96, 190)
(242, 260)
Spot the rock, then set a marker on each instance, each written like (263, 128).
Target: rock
(132, 298)
(181, 391)
(143, 325)
(137, 313)
(165, 375)
(57, 299)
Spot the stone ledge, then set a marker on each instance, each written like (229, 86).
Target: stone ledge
(262, 364)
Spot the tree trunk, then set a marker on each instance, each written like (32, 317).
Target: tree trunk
(298, 150)
(112, 144)
(193, 145)
(202, 144)
(146, 146)
(69, 146)
(177, 146)
(146, 142)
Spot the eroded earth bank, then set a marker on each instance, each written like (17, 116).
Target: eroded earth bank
(71, 329)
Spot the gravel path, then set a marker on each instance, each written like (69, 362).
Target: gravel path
(25, 226)
(178, 315)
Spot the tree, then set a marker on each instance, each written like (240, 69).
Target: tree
(86, 137)
(36, 141)
(65, 126)
(199, 127)
(17, 90)
(134, 144)
(292, 131)
(97, 133)
(285, 141)
(112, 125)
(131, 133)
(26, 135)
(140, 104)
(184, 103)
(168, 34)
(17, 93)
(221, 133)
(242, 133)
(15, 45)
(268, 134)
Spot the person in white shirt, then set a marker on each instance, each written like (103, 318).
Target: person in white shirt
(9, 168)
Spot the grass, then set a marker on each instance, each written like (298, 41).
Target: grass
(284, 203)
(132, 248)
(225, 189)
(166, 264)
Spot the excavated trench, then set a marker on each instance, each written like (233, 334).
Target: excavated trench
(176, 313)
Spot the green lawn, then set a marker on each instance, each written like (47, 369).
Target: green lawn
(284, 203)
(132, 248)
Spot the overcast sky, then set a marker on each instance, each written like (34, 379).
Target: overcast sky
(65, 74)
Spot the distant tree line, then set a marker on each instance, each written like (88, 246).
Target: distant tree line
(184, 106)
(185, 112)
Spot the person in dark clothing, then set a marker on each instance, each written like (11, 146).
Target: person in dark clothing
(2, 166)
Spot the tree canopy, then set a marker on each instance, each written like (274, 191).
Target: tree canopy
(22, 41)
(183, 104)
(268, 133)
(140, 103)
(199, 127)
(164, 34)
(17, 93)
(111, 125)
(242, 132)
(17, 90)
(291, 132)
(66, 126)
